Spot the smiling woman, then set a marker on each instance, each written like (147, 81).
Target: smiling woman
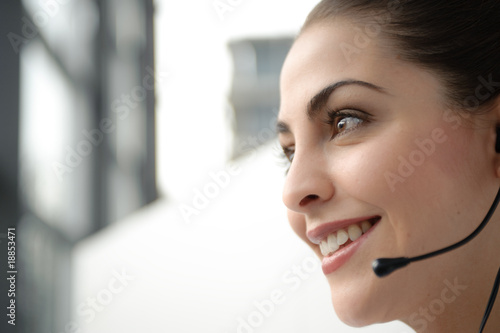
(388, 118)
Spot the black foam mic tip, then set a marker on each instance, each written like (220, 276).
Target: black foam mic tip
(385, 266)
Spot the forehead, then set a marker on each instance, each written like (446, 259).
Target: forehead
(328, 53)
(323, 54)
(319, 45)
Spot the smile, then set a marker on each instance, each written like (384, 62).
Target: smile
(340, 240)
(344, 237)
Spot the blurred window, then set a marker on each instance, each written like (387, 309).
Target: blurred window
(86, 136)
(255, 89)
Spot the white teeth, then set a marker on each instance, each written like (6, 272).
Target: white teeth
(336, 239)
(323, 246)
(365, 226)
(354, 232)
(342, 237)
(332, 243)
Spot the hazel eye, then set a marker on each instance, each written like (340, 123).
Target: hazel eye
(346, 120)
(348, 123)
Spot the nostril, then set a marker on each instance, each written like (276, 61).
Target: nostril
(308, 199)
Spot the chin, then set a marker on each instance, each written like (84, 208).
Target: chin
(357, 308)
(355, 315)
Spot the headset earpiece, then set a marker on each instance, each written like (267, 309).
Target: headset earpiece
(497, 144)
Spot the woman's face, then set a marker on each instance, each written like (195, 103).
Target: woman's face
(371, 139)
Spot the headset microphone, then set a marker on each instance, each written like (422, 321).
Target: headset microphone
(385, 266)
(497, 144)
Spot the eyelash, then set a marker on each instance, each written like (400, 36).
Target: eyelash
(334, 116)
(285, 157)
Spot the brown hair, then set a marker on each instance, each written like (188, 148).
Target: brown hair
(459, 40)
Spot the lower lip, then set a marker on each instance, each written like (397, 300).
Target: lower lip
(335, 261)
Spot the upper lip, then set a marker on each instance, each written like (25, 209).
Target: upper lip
(319, 233)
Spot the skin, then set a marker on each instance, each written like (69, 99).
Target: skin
(440, 202)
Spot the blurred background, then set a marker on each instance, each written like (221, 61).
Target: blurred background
(140, 169)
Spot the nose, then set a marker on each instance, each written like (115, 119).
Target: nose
(308, 183)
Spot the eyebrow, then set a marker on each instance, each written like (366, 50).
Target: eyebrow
(317, 103)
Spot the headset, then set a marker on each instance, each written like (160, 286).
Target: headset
(385, 266)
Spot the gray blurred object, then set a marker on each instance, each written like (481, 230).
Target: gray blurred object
(9, 148)
(66, 68)
(255, 89)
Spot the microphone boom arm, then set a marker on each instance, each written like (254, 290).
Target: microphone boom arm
(385, 266)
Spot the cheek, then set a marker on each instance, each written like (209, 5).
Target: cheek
(380, 171)
(369, 171)
(417, 180)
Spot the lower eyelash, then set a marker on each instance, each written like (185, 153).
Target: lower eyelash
(283, 161)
